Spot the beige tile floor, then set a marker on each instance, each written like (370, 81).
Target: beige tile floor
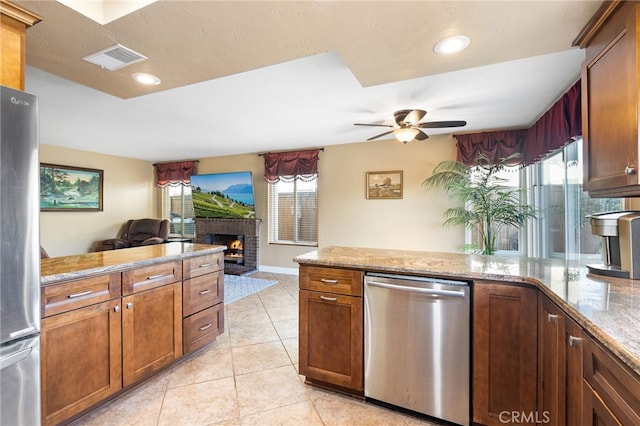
(247, 377)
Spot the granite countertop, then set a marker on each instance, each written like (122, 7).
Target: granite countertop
(607, 308)
(57, 269)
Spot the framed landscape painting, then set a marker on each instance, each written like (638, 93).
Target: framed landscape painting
(384, 185)
(67, 188)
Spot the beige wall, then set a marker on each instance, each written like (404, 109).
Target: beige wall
(128, 192)
(346, 217)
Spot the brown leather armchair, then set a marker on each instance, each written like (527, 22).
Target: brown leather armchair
(139, 232)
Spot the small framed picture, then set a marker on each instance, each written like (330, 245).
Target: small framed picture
(384, 185)
(67, 188)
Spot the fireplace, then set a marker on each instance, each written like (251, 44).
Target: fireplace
(235, 247)
(242, 238)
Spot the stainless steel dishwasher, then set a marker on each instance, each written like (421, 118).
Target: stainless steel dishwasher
(417, 343)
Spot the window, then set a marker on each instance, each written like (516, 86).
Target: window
(553, 187)
(177, 206)
(292, 211)
(562, 228)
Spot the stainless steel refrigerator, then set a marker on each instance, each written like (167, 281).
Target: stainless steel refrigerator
(20, 265)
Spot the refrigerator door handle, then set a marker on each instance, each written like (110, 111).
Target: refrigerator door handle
(14, 358)
(24, 332)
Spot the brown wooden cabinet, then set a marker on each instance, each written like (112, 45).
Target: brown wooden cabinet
(151, 331)
(203, 301)
(611, 390)
(14, 22)
(504, 351)
(81, 358)
(559, 366)
(610, 100)
(331, 327)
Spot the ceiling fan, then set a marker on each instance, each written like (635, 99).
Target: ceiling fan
(407, 127)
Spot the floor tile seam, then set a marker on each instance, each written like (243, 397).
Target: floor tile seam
(283, 406)
(267, 369)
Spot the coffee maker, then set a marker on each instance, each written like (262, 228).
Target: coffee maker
(620, 232)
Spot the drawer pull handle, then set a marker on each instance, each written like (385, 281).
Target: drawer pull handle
(552, 317)
(330, 299)
(116, 309)
(153, 277)
(327, 281)
(204, 327)
(204, 265)
(203, 292)
(129, 305)
(82, 293)
(574, 341)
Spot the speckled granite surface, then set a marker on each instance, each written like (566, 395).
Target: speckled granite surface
(56, 269)
(608, 308)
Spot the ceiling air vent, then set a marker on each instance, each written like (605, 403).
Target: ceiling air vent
(114, 57)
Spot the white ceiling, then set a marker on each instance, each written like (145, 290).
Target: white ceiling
(246, 77)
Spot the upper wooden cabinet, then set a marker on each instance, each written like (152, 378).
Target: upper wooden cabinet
(13, 25)
(610, 100)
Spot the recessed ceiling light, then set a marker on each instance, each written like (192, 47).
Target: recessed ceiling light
(144, 78)
(453, 44)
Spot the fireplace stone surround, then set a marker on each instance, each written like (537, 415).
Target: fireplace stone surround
(207, 228)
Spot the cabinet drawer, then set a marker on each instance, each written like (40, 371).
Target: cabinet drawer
(203, 327)
(202, 292)
(146, 278)
(203, 265)
(331, 280)
(615, 385)
(79, 293)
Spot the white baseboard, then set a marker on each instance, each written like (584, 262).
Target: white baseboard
(278, 270)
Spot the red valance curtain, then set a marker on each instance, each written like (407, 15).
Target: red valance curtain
(174, 174)
(494, 145)
(561, 124)
(287, 166)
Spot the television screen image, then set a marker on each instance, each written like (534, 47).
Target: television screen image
(223, 195)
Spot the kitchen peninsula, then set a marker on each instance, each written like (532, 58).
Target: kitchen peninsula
(111, 319)
(547, 337)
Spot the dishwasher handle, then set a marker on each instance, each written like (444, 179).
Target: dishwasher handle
(421, 290)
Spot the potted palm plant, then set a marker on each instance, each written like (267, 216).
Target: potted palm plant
(487, 204)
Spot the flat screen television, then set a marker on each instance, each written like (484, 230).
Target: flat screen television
(223, 195)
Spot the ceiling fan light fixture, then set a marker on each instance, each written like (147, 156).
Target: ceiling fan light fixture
(406, 134)
(144, 78)
(451, 45)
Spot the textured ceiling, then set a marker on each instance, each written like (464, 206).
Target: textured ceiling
(269, 75)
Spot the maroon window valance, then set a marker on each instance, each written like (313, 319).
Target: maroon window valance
(174, 174)
(561, 124)
(494, 145)
(291, 165)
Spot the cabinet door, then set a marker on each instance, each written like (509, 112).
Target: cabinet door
(331, 339)
(504, 351)
(81, 359)
(574, 341)
(610, 102)
(151, 331)
(595, 412)
(551, 362)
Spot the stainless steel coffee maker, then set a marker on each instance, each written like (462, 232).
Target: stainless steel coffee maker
(620, 232)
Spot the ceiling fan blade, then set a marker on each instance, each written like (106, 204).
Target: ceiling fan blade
(408, 116)
(415, 116)
(421, 136)
(380, 135)
(373, 125)
(438, 124)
